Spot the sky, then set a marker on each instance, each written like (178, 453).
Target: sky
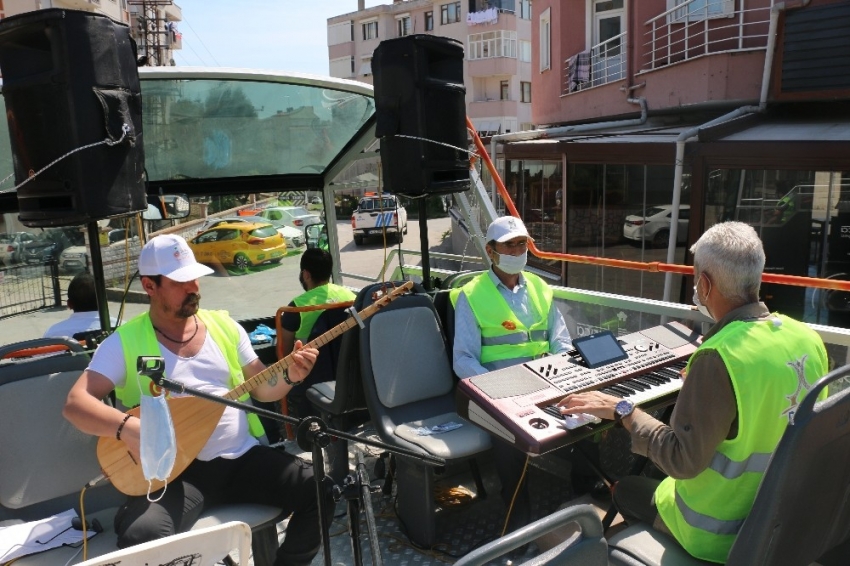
(280, 35)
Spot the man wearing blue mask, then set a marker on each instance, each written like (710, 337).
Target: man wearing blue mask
(505, 317)
(743, 385)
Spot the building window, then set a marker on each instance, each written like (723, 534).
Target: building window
(699, 10)
(525, 91)
(545, 44)
(429, 21)
(504, 90)
(365, 66)
(525, 51)
(489, 44)
(340, 33)
(450, 13)
(342, 67)
(403, 26)
(525, 9)
(370, 30)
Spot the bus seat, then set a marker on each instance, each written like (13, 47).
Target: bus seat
(408, 384)
(586, 546)
(46, 461)
(341, 402)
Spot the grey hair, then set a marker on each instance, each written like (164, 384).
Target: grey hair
(732, 254)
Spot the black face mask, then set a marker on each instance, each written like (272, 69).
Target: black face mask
(301, 280)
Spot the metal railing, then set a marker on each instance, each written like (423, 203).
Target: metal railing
(695, 28)
(26, 288)
(605, 62)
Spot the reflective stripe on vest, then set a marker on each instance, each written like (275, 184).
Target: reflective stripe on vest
(770, 367)
(516, 338)
(138, 339)
(706, 523)
(320, 295)
(730, 469)
(503, 335)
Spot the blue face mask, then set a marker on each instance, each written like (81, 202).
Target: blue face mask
(512, 264)
(158, 446)
(701, 307)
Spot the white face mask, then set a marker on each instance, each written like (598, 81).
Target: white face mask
(701, 307)
(158, 446)
(512, 264)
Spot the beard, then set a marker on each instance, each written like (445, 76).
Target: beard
(190, 305)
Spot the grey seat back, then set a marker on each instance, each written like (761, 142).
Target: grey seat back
(802, 508)
(404, 362)
(45, 460)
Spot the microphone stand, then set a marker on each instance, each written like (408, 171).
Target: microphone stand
(312, 434)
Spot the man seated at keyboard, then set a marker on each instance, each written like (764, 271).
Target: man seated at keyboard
(741, 388)
(505, 317)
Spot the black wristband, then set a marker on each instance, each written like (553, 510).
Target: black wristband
(287, 380)
(121, 426)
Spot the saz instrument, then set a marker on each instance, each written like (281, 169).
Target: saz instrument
(195, 418)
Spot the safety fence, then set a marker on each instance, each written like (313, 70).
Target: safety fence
(26, 287)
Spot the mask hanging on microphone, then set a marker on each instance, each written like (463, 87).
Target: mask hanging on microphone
(158, 446)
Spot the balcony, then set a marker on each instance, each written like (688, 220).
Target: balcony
(603, 63)
(173, 13)
(87, 5)
(697, 28)
(492, 67)
(478, 108)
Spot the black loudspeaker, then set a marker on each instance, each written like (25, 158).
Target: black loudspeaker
(69, 80)
(419, 92)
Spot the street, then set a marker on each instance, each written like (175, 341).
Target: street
(257, 294)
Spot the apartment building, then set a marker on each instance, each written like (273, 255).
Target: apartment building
(154, 26)
(660, 118)
(115, 9)
(497, 39)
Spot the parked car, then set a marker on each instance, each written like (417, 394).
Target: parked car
(241, 244)
(293, 216)
(11, 246)
(293, 236)
(74, 258)
(47, 245)
(653, 225)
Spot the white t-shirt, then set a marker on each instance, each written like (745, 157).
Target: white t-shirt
(207, 371)
(77, 322)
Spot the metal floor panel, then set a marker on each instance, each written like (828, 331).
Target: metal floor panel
(460, 528)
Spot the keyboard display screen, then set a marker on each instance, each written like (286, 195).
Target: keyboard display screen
(599, 349)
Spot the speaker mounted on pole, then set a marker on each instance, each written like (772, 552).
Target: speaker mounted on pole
(419, 93)
(70, 80)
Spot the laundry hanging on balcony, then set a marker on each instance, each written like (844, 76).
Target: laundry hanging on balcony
(578, 70)
(488, 16)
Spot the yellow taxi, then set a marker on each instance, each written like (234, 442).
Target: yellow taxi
(240, 244)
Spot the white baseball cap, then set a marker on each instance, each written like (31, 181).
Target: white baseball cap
(506, 228)
(171, 256)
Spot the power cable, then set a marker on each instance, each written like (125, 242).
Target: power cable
(185, 21)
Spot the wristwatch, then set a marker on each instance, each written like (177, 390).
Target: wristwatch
(622, 410)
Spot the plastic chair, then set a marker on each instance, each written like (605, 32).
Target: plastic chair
(408, 384)
(202, 547)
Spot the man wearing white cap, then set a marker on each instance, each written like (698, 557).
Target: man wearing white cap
(505, 317)
(203, 350)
